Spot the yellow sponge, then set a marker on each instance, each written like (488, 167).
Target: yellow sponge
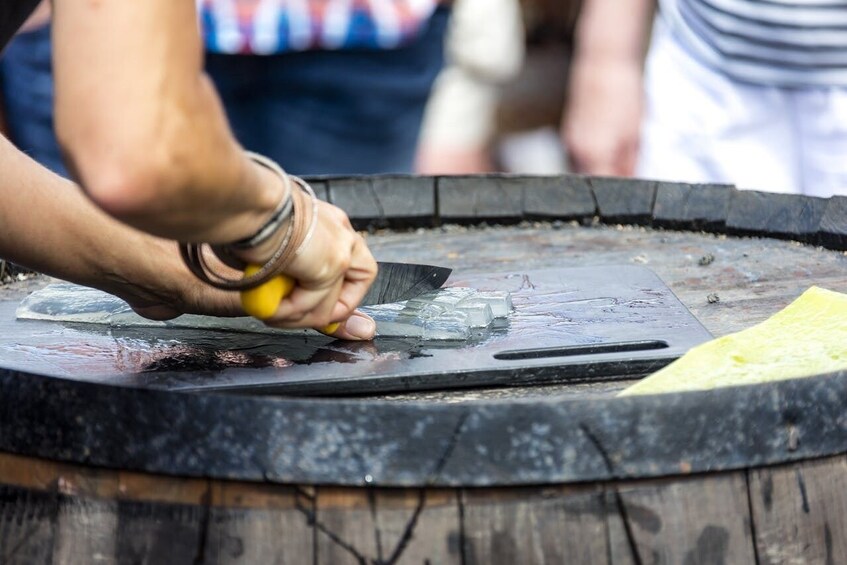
(808, 337)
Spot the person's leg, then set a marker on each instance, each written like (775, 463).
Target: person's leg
(821, 118)
(352, 112)
(28, 96)
(701, 126)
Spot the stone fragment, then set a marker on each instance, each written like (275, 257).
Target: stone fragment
(405, 196)
(776, 215)
(562, 197)
(384, 198)
(355, 195)
(494, 197)
(692, 206)
(449, 297)
(623, 200)
(451, 326)
(500, 302)
(478, 312)
(395, 320)
(833, 228)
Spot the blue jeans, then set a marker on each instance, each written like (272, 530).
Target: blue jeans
(26, 83)
(317, 112)
(333, 112)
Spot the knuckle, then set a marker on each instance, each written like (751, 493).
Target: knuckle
(296, 312)
(334, 265)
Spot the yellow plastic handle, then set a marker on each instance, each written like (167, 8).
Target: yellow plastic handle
(262, 302)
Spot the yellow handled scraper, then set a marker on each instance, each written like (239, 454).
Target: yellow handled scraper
(395, 282)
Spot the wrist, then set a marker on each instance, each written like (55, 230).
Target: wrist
(276, 242)
(267, 188)
(601, 60)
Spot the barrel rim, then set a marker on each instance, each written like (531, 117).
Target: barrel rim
(495, 442)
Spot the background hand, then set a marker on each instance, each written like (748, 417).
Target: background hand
(602, 120)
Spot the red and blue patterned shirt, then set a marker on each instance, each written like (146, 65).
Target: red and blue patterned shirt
(276, 26)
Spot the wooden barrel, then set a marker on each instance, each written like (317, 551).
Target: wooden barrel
(559, 472)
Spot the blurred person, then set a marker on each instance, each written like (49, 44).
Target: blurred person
(484, 50)
(320, 86)
(26, 89)
(143, 131)
(326, 86)
(734, 91)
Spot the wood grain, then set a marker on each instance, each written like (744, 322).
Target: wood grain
(27, 525)
(529, 526)
(387, 526)
(800, 512)
(699, 520)
(252, 523)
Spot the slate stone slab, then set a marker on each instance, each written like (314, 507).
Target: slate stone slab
(692, 206)
(776, 215)
(492, 197)
(564, 197)
(833, 227)
(620, 199)
(585, 323)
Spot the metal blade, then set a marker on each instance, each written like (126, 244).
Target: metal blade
(396, 282)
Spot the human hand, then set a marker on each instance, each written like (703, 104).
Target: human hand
(330, 275)
(601, 123)
(155, 283)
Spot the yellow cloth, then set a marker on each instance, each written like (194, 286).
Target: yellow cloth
(808, 337)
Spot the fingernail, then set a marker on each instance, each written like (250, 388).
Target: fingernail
(360, 326)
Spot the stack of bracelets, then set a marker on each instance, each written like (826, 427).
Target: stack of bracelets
(297, 195)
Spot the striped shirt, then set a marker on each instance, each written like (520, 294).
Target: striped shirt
(276, 26)
(789, 43)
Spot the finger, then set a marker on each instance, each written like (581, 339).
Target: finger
(601, 168)
(359, 326)
(593, 163)
(357, 280)
(629, 159)
(309, 307)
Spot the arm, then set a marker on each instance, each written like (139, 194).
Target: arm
(603, 112)
(142, 126)
(47, 224)
(145, 134)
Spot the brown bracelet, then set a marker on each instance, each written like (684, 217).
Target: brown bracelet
(296, 237)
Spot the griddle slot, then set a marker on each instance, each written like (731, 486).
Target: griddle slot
(574, 350)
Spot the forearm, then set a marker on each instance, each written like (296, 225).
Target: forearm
(142, 126)
(613, 31)
(48, 225)
(601, 122)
